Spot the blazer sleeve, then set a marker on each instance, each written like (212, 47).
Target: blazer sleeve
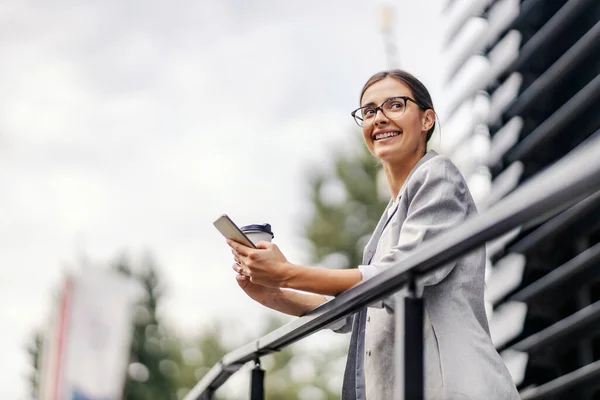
(438, 200)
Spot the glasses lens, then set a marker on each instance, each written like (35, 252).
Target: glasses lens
(365, 116)
(359, 117)
(394, 108)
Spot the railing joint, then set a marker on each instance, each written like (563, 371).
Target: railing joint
(411, 286)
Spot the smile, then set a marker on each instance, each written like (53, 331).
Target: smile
(386, 135)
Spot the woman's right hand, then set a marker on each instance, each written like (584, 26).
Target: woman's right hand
(262, 294)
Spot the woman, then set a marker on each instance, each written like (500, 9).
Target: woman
(429, 196)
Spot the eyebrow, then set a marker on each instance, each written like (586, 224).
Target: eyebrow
(372, 103)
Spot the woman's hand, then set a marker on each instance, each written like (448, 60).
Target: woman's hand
(262, 294)
(265, 265)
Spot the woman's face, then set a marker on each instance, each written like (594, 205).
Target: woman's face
(408, 131)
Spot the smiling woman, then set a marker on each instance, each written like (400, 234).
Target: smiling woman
(398, 134)
(429, 196)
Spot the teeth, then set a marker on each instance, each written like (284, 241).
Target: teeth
(386, 135)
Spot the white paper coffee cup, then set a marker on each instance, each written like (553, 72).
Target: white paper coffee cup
(257, 233)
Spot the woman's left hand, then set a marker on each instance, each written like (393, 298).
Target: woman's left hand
(265, 265)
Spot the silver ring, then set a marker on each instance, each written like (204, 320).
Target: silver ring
(244, 270)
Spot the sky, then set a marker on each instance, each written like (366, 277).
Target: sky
(129, 127)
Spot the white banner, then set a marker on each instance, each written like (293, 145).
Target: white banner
(89, 342)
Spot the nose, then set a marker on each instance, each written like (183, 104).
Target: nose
(380, 117)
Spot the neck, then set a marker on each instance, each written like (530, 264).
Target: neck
(398, 172)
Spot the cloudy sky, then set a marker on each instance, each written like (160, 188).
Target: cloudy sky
(129, 126)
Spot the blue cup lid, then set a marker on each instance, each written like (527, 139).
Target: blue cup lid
(266, 228)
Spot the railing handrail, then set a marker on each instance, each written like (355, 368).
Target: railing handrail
(571, 179)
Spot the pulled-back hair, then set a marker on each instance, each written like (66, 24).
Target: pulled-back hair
(419, 91)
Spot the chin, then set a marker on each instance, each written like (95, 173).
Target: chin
(387, 154)
(391, 156)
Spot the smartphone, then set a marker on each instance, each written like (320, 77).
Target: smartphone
(230, 230)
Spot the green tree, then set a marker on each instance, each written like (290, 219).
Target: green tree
(155, 352)
(282, 381)
(199, 354)
(346, 207)
(281, 378)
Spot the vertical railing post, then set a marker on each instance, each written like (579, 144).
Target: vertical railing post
(257, 382)
(208, 395)
(409, 361)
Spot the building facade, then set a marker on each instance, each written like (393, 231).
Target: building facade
(522, 91)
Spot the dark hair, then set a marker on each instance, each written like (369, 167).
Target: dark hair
(419, 91)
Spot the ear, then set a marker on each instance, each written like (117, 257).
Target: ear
(427, 120)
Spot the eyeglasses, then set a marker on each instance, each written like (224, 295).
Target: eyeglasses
(392, 108)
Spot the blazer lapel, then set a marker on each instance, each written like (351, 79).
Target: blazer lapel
(371, 246)
(428, 156)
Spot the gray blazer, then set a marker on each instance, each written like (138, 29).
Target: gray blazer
(460, 359)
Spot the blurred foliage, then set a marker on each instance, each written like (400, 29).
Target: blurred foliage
(282, 383)
(281, 378)
(166, 366)
(346, 208)
(152, 346)
(34, 351)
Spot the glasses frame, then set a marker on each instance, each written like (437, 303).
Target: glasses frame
(377, 109)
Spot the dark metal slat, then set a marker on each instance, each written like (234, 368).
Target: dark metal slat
(551, 30)
(588, 43)
(561, 276)
(581, 320)
(557, 224)
(581, 376)
(558, 122)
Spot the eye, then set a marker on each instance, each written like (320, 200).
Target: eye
(369, 112)
(397, 105)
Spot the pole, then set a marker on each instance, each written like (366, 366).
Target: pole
(387, 32)
(409, 345)
(257, 382)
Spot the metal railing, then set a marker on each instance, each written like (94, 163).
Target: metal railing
(573, 178)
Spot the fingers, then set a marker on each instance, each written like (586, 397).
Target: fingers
(244, 277)
(240, 269)
(237, 268)
(242, 281)
(248, 259)
(263, 245)
(238, 247)
(241, 260)
(237, 256)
